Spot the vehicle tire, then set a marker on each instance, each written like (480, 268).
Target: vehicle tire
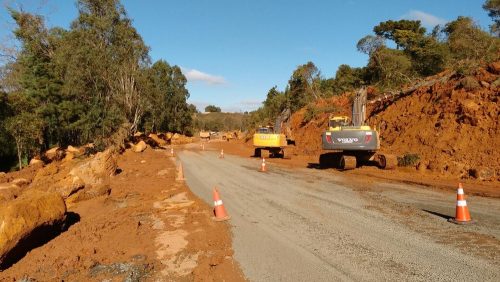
(387, 161)
(257, 153)
(347, 162)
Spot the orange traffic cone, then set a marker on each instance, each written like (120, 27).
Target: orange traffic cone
(263, 166)
(219, 210)
(171, 152)
(180, 173)
(221, 156)
(462, 215)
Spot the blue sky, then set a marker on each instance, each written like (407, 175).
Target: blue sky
(233, 52)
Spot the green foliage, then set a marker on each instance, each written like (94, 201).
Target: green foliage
(469, 83)
(311, 113)
(399, 31)
(408, 159)
(470, 46)
(219, 121)
(348, 78)
(27, 129)
(304, 85)
(275, 102)
(493, 8)
(389, 67)
(165, 95)
(212, 109)
(84, 84)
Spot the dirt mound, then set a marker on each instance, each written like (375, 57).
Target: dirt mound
(449, 121)
(307, 135)
(452, 126)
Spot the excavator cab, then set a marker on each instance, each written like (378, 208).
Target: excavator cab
(265, 130)
(336, 123)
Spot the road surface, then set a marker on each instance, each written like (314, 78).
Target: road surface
(318, 225)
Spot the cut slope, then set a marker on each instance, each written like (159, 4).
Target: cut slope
(451, 122)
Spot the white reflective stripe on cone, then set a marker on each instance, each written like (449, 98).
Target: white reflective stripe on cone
(218, 203)
(462, 203)
(460, 191)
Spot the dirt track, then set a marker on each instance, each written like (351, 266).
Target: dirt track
(315, 225)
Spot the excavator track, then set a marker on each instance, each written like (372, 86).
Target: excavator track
(387, 161)
(347, 162)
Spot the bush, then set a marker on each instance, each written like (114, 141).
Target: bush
(408, 159)
(469, 83)
(311, 112)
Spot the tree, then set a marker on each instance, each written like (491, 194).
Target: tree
(470, 45)
(493, 8)
(275, 103)
(212, 109)
(370, 44)
(392, 30)
(389, 67)
(103, 58)
(304, 86)
(348, 78)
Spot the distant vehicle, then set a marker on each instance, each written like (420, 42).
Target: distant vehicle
(353, 143)
(205, 135)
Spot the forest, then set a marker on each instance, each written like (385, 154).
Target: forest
(81, 85)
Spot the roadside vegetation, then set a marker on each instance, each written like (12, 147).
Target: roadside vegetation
(459, 46)
(81, 85)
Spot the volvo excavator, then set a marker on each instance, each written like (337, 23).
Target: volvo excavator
(351, 143)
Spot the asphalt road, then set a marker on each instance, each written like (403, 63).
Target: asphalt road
(319, 225)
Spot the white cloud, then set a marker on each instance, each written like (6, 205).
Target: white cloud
(196, 75)
(426, 19)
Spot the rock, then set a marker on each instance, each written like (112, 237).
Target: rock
(20, 182)
(68, 186)
(2, 175)
(482, 173)
(72, 149)
(168, 136)
(9, 191)
(54, 154)
(175, 136)
(139, 134)
(97, 169)
(485, 84)
(421, 167)
(21, 216)
(494, 67)
(159, 142)
(139, 147)
(143, 162)
(69, 156)
(35, 161)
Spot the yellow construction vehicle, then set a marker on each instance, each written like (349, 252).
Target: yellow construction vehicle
(266, 139)
(353, 143)
(274, 139)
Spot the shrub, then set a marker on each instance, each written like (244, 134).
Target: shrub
(408, 159)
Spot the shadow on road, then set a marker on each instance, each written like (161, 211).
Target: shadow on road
(438, 214)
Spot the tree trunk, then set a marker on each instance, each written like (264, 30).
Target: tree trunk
(19, 155)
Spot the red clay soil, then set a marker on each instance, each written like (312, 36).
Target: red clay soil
(452, 125)
(150, 228)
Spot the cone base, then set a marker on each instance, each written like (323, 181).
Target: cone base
(228, 217)
(452, 220)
